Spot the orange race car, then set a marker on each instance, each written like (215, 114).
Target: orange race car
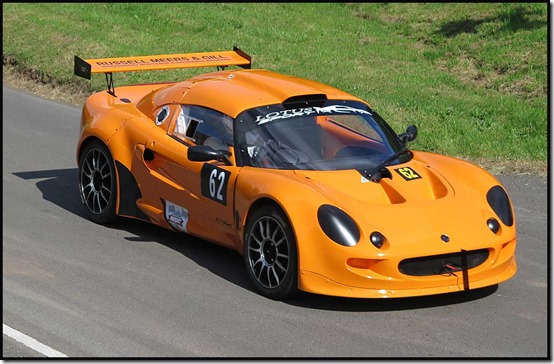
(307, 182)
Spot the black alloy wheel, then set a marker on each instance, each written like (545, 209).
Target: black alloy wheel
(97, 183)
(270, 253)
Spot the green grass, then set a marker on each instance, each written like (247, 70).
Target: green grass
(471, 76)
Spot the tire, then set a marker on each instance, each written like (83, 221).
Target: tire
(270, 253)
(97, 183)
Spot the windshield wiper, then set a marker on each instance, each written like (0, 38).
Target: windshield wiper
(375, 174)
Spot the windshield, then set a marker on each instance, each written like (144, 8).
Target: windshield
(338, 135)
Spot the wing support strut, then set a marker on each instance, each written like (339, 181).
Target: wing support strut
(109, 82)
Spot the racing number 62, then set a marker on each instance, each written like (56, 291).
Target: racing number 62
(213, 182)
(407, 173)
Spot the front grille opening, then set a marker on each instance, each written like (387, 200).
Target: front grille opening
(434, 265)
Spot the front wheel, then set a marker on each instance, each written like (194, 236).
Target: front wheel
(97, 183)
(270, 253)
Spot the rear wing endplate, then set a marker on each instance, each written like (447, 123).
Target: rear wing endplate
(86, 67)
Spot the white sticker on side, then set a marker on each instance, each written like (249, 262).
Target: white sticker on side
(182, 124)
(364, 180)
(176, 216)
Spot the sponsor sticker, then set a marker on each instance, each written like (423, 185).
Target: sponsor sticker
(150, 61)
(176, 216)
(331, 109)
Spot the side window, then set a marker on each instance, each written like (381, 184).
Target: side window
(202, 126)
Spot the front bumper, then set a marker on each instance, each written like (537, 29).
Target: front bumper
(381, 278)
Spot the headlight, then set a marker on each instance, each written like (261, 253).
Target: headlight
(337, 225)
(500, 203)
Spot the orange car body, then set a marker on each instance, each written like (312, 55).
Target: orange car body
(431, 209)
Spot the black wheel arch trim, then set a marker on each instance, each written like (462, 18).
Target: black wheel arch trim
(130, 194)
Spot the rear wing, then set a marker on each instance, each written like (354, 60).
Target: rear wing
(85, 68)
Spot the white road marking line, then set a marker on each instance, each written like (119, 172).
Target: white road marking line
(31, 343)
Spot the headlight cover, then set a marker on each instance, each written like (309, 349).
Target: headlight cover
(338, 226)
(500, 203)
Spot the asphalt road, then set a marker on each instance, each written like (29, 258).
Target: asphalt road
(135, 290)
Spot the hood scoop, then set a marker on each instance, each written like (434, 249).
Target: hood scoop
(394, 196)
(420, 183)
(392, 188)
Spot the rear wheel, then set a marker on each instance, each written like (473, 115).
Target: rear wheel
(97, 183)
(270, 253)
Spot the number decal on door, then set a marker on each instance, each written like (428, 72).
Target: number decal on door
(213, 183)
(407, 173)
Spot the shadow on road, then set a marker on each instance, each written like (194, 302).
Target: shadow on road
(390, 304)
(59, 186)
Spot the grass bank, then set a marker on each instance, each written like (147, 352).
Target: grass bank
(471, 76)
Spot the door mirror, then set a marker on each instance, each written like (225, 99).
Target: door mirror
(203, 153)
(409, 135)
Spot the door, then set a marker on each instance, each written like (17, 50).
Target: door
(196, 197)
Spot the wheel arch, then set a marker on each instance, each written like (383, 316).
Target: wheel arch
(85, 142)
(258, 204)
(262, 201)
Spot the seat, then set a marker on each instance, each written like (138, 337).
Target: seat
(215, 143)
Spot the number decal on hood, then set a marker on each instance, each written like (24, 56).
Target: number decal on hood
(407, 173)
